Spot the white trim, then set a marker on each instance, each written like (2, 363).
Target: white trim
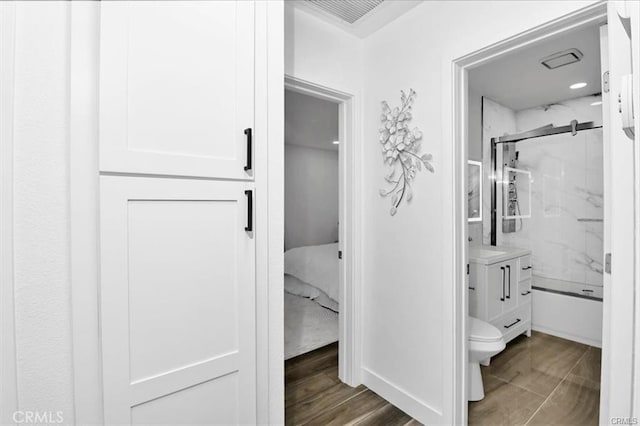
(349, 318)
(634, 12)
(83, 210)
(455, 120)
(401, 398)
(269, 180)
(8, 390)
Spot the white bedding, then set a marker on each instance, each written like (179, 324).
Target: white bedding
(307, 325)
(297, 287)
(315, 265)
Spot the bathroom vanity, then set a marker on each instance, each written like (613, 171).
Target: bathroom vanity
(500, 288)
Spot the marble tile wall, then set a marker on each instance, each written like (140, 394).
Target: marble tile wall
(564, 232)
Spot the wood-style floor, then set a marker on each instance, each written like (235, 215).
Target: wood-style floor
(315, 396)
(540, 380)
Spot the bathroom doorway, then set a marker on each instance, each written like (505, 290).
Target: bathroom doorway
(540, 206)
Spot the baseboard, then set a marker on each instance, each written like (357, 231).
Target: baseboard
(400, 398)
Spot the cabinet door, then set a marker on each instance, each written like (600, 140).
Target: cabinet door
(178, 302)
(495, 291)
(176, 87)
(511, 285)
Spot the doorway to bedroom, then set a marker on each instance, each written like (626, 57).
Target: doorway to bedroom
(321, 250)
(311, 224)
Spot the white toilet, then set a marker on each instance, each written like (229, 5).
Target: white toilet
(484, 342)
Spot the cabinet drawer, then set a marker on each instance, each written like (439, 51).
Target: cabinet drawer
(513, 319)
(525, 268)
(524, 291)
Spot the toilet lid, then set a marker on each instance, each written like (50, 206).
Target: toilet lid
(482, 331)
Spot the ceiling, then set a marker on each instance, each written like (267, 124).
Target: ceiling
(309, 121)
(519, 81)
(359, 17)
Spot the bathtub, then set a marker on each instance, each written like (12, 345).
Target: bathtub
(567, 309)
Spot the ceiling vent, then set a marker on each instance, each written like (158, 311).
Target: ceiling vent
(347, 10)
(561, 59)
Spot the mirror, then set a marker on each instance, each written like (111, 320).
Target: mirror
(474, 191)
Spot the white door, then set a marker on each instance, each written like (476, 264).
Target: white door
(620, 183)
(177, 88)
(178, 302)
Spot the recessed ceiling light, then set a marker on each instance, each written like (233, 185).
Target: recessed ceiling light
(336, 142)
(596, 103)
(578, 85)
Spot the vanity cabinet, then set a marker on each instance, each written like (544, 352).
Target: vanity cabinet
(500, 290)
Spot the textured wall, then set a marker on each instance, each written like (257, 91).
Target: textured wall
(310, 196)
(42, 284)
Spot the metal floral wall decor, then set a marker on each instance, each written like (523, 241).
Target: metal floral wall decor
(401, 150)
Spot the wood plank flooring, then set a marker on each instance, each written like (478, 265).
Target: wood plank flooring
(541, 380)
(315, 396)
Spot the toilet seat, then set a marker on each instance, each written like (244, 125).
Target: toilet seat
(481, 331)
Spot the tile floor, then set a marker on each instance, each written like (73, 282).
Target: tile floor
(541, 380)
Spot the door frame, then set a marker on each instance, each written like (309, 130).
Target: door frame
(457, 121)
(349, 232)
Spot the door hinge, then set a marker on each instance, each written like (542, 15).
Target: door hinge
(605, 82)
(607, 263)
(339, 254)
(467, 269)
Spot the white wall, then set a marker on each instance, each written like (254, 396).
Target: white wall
(408, 269)
(310, 196)
(321, 53)
(41, 209)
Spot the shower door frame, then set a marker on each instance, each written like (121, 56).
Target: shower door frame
(532, 134)
(621, 396)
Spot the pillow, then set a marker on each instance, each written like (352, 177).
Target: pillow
(315, 265)
(294, 286)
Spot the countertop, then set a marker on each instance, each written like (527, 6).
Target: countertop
(488, 255)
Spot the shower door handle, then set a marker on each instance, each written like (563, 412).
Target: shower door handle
(503, 271)
(509, 287)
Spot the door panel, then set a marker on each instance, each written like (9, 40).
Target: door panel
(178, 301)
(621, 195)
(176, 105)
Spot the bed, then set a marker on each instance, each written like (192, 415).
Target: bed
(311, 306)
